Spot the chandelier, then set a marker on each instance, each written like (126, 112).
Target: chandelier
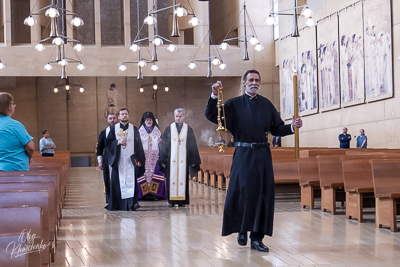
(57, 37)
(155, 85)
(157, 40)
(306, 13)
(67, 85)
(213, 58)
(247, 38)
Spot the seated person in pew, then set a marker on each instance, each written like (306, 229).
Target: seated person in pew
(46, 145)
(16, 145)
(276, 141)
(220, 140)
(231, 142)
(249, 204)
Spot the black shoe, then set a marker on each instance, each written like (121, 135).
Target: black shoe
(106, 206)
(259, 246)
(135, 207)
(242, 239)
(171, 205)
(181, 205)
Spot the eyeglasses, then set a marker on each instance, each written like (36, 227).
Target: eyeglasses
(14, 104)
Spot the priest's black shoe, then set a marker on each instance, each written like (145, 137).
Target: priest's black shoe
(259, 246)
(242, 239)
(171, 205)
(135, 207)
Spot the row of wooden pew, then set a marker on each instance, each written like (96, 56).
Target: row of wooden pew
(345, 175)
(30, 206)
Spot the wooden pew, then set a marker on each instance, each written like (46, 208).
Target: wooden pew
(308, 153)
(15, 220)
(35, 176)
(227, 170)
(32, 198)
(309, 180)
(357, 176)
(218, 181)
(60, 169)
(386, 178)
(41, 185)
(211, 171)
(358, 180)
(7, 242)
(331, 179)
(286, 171)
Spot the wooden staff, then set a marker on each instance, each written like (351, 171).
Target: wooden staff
(295, 116)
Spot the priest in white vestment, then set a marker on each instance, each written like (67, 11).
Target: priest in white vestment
(179, 156)
(126, 159)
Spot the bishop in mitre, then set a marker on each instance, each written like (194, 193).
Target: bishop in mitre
(152, 183)
(179, 156)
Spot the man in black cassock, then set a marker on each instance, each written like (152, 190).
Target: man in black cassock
(126, 158)
(178, 140)
(101, 153)
(250, 200)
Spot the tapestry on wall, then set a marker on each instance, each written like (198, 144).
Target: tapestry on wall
(307, 72)
(378, 49)
(287, 66)
(328, 63)
(351, 56)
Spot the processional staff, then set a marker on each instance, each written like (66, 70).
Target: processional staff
(295, 115)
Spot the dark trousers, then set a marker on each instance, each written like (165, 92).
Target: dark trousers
(256, 236)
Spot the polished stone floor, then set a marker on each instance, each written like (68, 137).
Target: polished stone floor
(156, 235)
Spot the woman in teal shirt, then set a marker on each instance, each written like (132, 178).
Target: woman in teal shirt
(16, 145)
(362, 140)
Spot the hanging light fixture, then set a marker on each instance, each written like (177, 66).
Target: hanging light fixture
(211, 60)
(306, 13)
(178, 10)
(66, 84)
(57, 13)
(247, 38)
(155, 67)
(155, 85)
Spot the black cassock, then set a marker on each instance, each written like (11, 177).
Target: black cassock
(192, 160)
(102, 151)
(250, 200)
(115, 202)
